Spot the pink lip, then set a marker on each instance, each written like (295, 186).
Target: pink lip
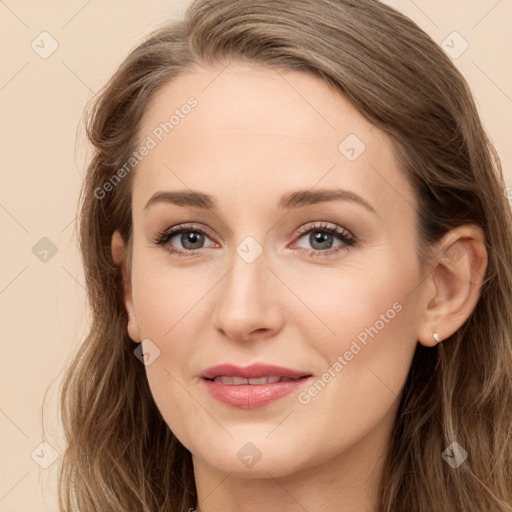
(252, 396)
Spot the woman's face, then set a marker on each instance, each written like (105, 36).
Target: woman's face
(301, 257)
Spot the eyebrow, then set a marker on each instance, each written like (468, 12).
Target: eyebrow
(291, 200)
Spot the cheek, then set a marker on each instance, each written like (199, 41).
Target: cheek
(164, 297)
(364, 300)
(170, 305)
(367, 318)
(366, 360)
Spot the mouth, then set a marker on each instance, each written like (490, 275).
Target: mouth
(252, 373)
(254, 386)
(254, 381)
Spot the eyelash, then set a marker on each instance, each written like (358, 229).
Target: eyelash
(344, 235)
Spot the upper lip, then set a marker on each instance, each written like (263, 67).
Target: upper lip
(253, 371)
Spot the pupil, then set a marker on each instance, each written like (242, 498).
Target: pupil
(321, 238)
(191, 238)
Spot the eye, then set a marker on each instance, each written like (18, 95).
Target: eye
(190, 237)
(322, 237)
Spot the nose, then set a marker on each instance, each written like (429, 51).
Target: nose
(247, 306)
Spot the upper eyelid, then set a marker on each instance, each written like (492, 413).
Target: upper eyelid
(323, 225)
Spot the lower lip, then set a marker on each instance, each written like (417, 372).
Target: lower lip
(249, 396)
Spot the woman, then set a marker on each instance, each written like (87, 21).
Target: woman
(297, 252)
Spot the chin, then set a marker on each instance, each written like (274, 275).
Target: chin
(257, 459)
(261, 469)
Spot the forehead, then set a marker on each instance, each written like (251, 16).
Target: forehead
(255, 133)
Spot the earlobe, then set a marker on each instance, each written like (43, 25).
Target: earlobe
(133, 328)
(118, 249)
(454, 284)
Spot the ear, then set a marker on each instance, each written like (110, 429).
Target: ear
(118, 248)
(454, 285)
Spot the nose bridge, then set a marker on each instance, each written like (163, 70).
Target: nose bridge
(245, 302)
(245, 284)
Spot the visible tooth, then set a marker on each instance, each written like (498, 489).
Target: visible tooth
(234, 381)
(237, 381)
(259, 380)
(224, 380)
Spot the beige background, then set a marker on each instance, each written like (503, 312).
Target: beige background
(42, 304)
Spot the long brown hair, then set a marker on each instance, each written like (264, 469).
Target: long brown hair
(120, 453)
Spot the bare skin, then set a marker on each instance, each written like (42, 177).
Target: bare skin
(254, 136)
